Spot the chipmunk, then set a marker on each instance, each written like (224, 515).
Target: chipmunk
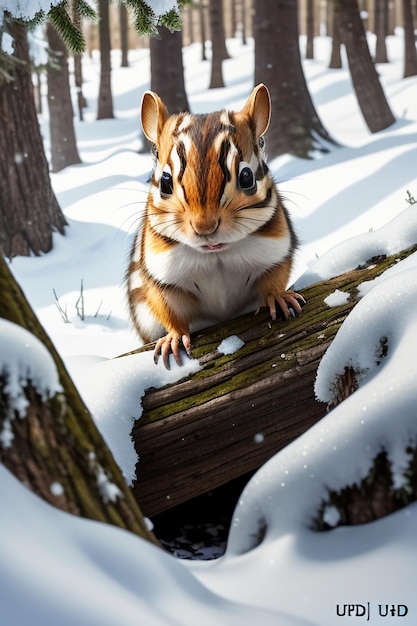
(216, 240)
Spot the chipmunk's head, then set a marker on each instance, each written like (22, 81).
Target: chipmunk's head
(210, 187)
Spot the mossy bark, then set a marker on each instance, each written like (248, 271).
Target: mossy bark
(240, 409)
(56, 449)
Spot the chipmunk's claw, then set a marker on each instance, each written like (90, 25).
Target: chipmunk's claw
(171, 344)
(289, 304)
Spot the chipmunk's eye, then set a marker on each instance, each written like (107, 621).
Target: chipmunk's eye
(247, 181)
(166, 185)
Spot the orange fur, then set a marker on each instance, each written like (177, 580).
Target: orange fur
(216, 239)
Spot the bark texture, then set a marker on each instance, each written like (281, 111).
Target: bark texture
(78, 69)
(295, 127)
(105, 97)
(124, 38)
(240, 409)
(167, 70)
(56, 442)
(203, 29)
(64, 151)
(218, 44)
(310, 30)
(29, 211)
(410, 51)
(374, 497)
(371, 98)
(335, 57)
(381, 31)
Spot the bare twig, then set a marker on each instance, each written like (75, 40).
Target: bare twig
(79, 305)
(63, 312)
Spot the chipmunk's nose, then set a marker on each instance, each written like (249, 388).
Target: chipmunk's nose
(205, 226)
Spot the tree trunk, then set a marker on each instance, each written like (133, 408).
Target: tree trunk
(55, 448)
(64, 150)
(124, 42)
(29, 211)
(188, 24)
(105, 98)
(218, 44)
(310, 30)
(371, 98)
(295, 126)
(78, 69)
(335, 58)
(410, 52)
(202, 16)
(243, 22)
(381, 31)
(240, 409)
(167, 70)
(78, 76)
(233, 19)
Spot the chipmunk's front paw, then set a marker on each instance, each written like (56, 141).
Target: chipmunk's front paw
(290, 304)
(171, 344)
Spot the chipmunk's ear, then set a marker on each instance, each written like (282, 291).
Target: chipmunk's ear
(258, 109)
(154, 114)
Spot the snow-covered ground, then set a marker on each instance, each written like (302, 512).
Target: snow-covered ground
(347, 207)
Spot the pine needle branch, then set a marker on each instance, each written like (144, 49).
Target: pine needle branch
(146, 22)
(84, 10)
(60, 19)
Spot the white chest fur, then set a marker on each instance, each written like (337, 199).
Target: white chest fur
(223, 282)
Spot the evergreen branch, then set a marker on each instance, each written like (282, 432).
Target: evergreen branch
(144, 17)
(146, 22)
(183, 3)
(171, 20)
(36, 21)
(70, 33)
(84, 10)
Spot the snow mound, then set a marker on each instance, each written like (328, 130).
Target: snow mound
(72, 571)
(23, 359)
(398, 234)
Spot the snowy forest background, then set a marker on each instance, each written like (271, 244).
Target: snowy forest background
(342, 147)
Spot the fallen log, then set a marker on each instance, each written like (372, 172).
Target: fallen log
(240, 409)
